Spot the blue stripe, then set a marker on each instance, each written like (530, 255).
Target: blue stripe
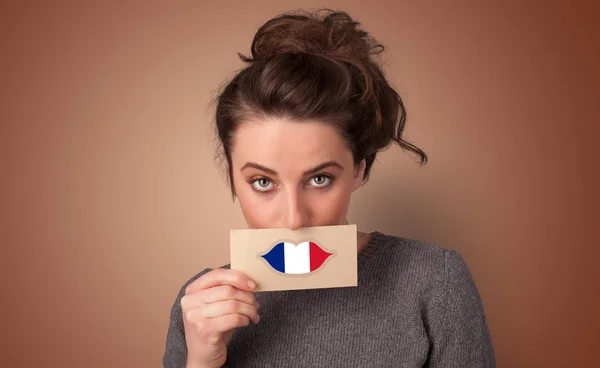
(276, 258)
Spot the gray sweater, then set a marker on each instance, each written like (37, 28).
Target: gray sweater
(416, 305)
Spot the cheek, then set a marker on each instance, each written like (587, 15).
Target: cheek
(258, 211)
(331, 210)
(330, 207)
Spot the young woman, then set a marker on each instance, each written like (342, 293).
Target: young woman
(300, 127)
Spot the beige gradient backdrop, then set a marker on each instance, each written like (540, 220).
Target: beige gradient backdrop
(110, 198)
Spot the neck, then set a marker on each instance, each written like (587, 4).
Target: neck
(362, 239)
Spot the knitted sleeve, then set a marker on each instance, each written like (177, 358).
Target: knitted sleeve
(175, 355)
(461, 337)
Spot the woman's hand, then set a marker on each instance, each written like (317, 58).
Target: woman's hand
(212, 307)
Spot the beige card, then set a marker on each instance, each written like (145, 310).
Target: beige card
(307, 258)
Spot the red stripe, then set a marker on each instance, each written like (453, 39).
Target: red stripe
(317, 256)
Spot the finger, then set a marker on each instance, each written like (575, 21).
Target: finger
(216, 294)
(227, 292)
(221, 276)
(225, 307)
(208, 326)
(229, 321)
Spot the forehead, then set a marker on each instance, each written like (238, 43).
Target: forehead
(281, 143)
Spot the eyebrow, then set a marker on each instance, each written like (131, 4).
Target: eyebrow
(308, 172)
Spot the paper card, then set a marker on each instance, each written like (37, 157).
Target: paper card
(307, 258)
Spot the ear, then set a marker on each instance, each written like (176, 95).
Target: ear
(359, 173)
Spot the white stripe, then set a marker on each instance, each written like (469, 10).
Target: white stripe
(297, 258)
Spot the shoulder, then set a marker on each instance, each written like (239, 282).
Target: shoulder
(436, 284)
(431, 267)
(414, 255)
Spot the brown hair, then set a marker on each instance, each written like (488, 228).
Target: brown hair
(318, 66)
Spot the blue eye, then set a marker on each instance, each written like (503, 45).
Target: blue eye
(320, 181)
(262, 184)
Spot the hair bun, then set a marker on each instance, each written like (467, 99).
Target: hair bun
(324, 33)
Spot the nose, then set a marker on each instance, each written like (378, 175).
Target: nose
(295, 213)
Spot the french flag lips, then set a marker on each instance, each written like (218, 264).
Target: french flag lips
(290, 258)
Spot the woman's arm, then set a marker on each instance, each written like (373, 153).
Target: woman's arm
(176, 350)
(460, 337)
(175, 355)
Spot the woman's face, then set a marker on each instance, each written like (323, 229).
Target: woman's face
(293, 174)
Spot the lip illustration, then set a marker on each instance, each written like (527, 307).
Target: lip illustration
(290, 258)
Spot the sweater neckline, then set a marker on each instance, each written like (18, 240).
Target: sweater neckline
(377, 241)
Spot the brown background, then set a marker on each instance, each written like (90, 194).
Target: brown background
(111, 200)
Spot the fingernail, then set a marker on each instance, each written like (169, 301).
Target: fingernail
(257, 304)
(257, 318)
(251, 284)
